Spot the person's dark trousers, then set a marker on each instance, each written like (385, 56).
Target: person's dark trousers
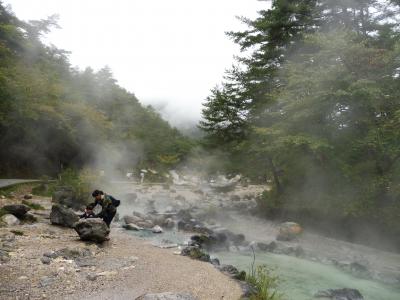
(107, 218)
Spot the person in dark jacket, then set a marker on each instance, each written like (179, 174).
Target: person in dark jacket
(108, 206)
(88, 212)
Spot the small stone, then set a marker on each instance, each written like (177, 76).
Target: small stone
(92, 277)
(28, 196)
(22, 277)
(46, 281)
(51, 254)
(4, 256)
(45, 260)
(107, 273)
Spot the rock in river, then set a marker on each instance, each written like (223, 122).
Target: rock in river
(340, 294)
(63, 216)
(288, 231)
(92, 230)
(157, 229)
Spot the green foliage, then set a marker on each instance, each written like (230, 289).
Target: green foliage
(3, 212)
(319, 114)
(265, 284)
(44, 189)
(53, 116)
(17, 232)
(34, 206)
(82, 182)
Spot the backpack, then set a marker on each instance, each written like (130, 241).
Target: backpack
(115, 202)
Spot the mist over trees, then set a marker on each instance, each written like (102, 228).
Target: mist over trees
(313, 104)
(53, 115)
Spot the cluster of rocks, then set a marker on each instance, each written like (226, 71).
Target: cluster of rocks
(93, 229)
(153, 222)
(81, 256)
(16, 214)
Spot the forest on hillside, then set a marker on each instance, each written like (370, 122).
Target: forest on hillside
(54, 116)
(313, 105)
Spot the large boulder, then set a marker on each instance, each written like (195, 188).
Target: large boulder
(167, 296)
(340, 294)
(68, 197)
(10, 220)
(131, 219)
(94, 230)
(289, 231)
(18, 210)
(145, 224)
(63, 216)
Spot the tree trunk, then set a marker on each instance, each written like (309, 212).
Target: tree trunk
(278, 184)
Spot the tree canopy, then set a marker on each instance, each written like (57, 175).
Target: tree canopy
(54, 115)
(315, 98)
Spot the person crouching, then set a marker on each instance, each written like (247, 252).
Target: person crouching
(108, 206)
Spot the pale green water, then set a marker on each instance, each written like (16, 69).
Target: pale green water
(301, 279)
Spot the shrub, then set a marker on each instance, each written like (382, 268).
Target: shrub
(34, 206)
(265, 284)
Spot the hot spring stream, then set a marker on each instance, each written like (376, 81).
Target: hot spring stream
(299, 278)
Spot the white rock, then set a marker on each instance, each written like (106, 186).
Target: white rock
(157, 229)
(10, 220)
(107, 273)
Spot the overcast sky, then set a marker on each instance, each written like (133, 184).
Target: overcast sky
(167, 52)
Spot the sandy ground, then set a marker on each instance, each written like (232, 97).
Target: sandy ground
(125, 267)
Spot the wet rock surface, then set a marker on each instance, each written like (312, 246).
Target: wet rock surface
(289, 231)
(340, 294)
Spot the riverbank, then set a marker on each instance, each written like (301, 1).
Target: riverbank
(49, 262)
